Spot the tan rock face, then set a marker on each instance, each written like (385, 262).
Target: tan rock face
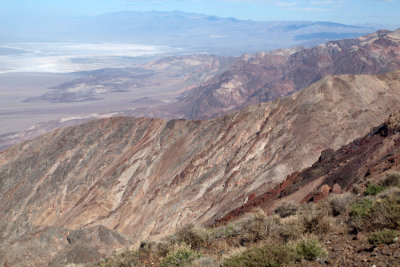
(369, 158)
(267, 76)
(146, 177)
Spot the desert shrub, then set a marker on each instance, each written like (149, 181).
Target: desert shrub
(149, 252)
(386, 213)
(203, 262)
(227, 231)
(392, 179)
(373, 189)
(179, 255)
(163, 248)
(254, 229)
(290, 229)
(339, 204)
(195, 237)
(361, 208)
(315, 219)
(268, 256)
(356, 189)
(385, 236)
(128, 258)
(310, 249)
(272, 226)
(391, 192)
(359, 211)
(383, 213)
(287, 209)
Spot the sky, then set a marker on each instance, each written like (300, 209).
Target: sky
(342, 11)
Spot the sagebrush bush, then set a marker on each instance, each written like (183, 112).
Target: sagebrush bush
(371, 215)
(128, 258)
(273, 225)
(180, 255)
(227, 231)
(149, 252)
(359, 211)
(339, 204)
(269, 256)
(386, 213)
(391, 192)
(287, 209)
(291, 229)
(384, 236)
(356, 189)
(310, 249)
(392, 179)
(195, 237)
(373, 189)
(254, 229)
(203, 262)
(317, 221)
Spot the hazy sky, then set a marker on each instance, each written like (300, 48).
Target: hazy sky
(345, 11)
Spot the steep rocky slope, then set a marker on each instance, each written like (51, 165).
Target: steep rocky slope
(146, 177)
(368, 165)
(366, 158)
(266, 76)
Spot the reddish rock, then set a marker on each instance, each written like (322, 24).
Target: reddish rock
(252, 196)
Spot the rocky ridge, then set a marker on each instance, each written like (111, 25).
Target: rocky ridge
(266, 76)
(367, 158)
(143, 178)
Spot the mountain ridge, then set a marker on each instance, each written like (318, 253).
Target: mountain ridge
(144, 178)
(256, 78)
(266, 76)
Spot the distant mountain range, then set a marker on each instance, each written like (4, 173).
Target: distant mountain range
(229, 84)
(193, 33)
(264, 77)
